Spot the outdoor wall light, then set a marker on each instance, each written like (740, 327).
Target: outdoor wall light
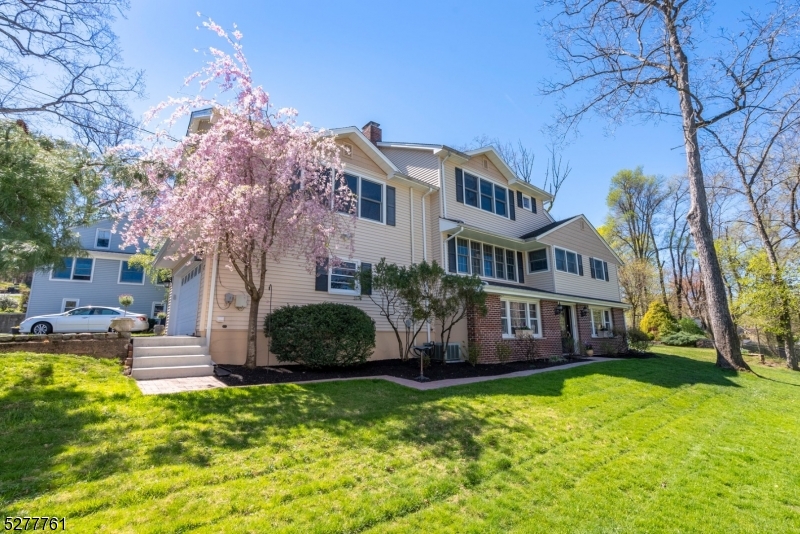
(584, 311)
(559, 309)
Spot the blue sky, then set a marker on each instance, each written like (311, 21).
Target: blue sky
(437, 73)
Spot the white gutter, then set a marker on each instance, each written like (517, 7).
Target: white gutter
(411, 203)
(425, 226)
(211, 297)
(532, 293)
(441, 185)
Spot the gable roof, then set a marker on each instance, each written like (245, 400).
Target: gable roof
(494, 156)
(549, 228)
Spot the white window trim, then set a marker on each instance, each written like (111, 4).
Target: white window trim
(529, 303)
(119, 277)
(72, 273)
(483, 276)
(354, 291)
(528, 261)
(64, 304)
(602, 311)
(576, 261)
(507, 216)
(381, 183)
(96, 234)
(153, 308)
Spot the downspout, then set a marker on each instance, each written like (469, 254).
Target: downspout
(411, 203)
(425, 226)
(211, 297)
(441, 184)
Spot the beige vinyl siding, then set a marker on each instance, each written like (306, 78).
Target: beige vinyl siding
(526, 221)
(293, 284)
(586, 243)
(359, 161)
(543, 280)
(416, 230)
(417, 163)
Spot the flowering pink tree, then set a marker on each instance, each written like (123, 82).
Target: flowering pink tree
(255, 188)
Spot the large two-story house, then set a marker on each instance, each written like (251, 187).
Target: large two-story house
(96, 278)
(466, 210)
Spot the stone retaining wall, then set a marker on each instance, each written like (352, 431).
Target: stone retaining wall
(100, 345)
(7, 320)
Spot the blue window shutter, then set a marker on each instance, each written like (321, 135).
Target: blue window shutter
(520, 268)
(512, 211)
(321, 280)
(390, 205)
(451, 255)
(519, 200)
(366, 278)
(459, 185)
(580, 264)
(533, 205)
(591, 268)
(605, 270)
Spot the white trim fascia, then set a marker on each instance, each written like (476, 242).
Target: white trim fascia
(575, 218)
(101, 255)
(532, 293)
(351, 132)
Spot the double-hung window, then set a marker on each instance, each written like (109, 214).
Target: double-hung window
(601, 322)
(505, 264)
(475, 255)
(343, 278)
(130, 274)
(76, 269)
(462, 251)
(483, 194)
(519, 314)
(102, 239)
(367, 200)
(526, 202)
(599, 269)
(568, 261)
(537, 260)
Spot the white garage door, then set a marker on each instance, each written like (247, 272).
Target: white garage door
(187, 296)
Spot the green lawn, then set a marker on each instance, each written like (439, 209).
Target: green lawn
(669, 444)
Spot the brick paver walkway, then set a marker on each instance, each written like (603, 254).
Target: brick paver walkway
(180, 385)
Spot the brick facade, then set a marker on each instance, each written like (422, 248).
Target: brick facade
(486, 331)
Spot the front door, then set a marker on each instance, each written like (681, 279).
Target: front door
(567, 334)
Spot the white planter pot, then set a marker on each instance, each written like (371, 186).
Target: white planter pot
(122, 324)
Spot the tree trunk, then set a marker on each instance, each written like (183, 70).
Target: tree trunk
(726, 339)
(252, 333)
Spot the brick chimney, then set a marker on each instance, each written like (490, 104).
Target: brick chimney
(373, 131)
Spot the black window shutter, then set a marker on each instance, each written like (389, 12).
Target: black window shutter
(519, 200)
(605, 270)
(366, 278)
(580, 264)
(321, 281)
(533, 205)
(511, 210)
(591, 267)
(520, 268)
(390, 205)
(451, 254)
(459, 185)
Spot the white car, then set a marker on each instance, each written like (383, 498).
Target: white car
(84, 319)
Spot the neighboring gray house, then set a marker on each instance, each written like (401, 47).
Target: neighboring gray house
(97, 279)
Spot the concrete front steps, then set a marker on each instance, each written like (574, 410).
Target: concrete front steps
(170, 357)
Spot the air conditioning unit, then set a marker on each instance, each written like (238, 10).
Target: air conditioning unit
(451, 355)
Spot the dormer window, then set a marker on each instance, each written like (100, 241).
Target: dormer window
(480, 193)
(102, 239)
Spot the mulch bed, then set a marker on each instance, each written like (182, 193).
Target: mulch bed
(241, 376)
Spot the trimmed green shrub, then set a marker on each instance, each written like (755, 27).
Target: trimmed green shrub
(321, 335)
(658, 321)
(690, 327)
(681, 339)
(638, 340)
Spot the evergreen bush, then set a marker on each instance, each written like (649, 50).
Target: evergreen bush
(688, 326)
(658, 321)
(681, 339)
(321, 335)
